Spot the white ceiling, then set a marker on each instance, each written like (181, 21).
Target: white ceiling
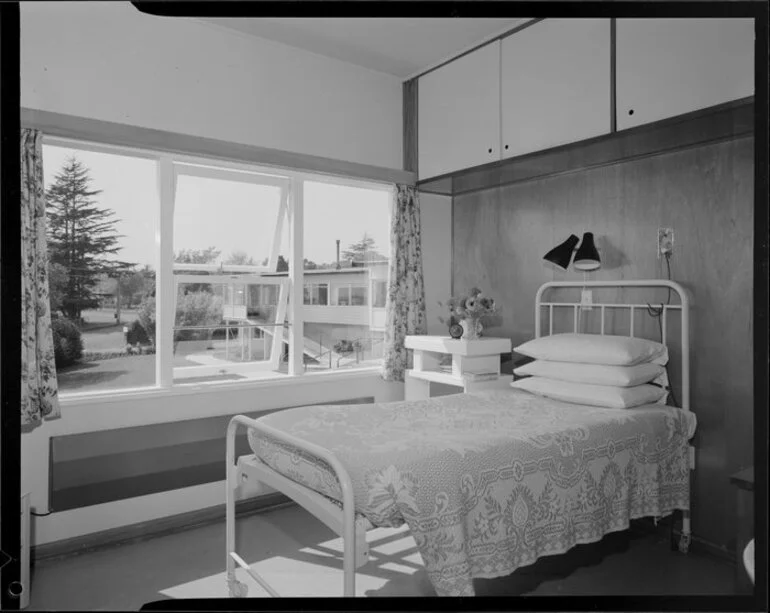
(401, 47)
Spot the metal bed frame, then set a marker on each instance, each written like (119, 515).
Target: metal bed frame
(342, 521)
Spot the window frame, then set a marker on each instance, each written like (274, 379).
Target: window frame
(168, 164)
(349, 290)
(373, 291)
(312, 287)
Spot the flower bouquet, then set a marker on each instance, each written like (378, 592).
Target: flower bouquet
(468, 310)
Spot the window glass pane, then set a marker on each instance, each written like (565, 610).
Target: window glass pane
(380, 293)
(343, 296)
(354, 222)
(226, 329)
(358, 295)
(219, 222)
(307, 294)
(323, 294)
(216, 339)
(102, 213)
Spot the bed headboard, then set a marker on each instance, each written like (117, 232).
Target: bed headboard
(683, 307)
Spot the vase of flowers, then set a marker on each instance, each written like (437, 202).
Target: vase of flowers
(468, 310)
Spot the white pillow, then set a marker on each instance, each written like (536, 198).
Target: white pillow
(594, 349)
(595, 374)
(593, 395)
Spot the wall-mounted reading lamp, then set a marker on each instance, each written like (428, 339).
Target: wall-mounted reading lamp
(586, 256)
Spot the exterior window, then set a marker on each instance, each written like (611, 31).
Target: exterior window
(351, 295)
(316, 293)
(187, 277)
(379, 294)
(358, 295)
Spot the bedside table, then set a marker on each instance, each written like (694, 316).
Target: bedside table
(744, 482)
(477, 357)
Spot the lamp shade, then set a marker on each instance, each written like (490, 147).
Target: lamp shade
(587, 257)
(562, 254)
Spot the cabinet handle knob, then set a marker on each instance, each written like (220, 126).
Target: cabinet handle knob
(631, 112)
(490, 150)
(506, 146)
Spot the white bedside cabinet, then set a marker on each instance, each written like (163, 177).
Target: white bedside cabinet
(475, 364)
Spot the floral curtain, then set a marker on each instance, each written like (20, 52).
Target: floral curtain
(405, 304)
(39, 390)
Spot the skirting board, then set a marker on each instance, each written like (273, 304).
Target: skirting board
(154, 528)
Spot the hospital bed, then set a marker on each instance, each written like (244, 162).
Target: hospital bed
(488, 481)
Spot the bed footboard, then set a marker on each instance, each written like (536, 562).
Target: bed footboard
(315, 503)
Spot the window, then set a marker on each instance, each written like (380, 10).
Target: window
(192, 282)
(346, 245)
(102, 218)
(228, 225)
(379, 293)
(317, 293)
(351, 295)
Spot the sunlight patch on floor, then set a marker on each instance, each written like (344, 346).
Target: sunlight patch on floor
(316, 571)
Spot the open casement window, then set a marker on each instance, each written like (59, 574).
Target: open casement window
(226, 317)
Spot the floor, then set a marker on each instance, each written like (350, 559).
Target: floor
(295, 553)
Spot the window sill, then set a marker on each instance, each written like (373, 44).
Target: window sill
(215, 387)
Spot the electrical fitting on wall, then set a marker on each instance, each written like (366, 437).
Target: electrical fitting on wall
(665, 242)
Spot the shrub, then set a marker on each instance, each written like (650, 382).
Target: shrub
(136, 334)
(67, 342)
(198, 308)
(344, 346)
(146, 317)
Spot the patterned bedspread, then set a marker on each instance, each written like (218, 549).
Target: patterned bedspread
(490, 481)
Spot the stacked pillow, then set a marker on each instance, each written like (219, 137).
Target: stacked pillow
(597, 370)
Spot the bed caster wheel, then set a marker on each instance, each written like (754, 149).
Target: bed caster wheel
(684, 543)
(238, 589)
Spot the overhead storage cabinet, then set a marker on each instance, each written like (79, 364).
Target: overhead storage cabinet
(667, 67)
(555, 84)
(458, 122)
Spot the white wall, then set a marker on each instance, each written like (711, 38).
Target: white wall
(436, 224)
(108, 61)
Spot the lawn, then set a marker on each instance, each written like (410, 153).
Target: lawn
(101, 332)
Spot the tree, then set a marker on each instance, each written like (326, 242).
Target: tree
(81, 236)
(135, 285)
(197, 256)
(240, 257)
(58, 280)
(364, 250)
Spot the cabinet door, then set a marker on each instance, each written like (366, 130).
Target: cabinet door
(667, 67)
(555, 84)
(458, 122)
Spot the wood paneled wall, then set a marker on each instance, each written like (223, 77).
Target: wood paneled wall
(706, 194)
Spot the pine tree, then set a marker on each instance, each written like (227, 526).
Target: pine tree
(363, 251)
(81, 235)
